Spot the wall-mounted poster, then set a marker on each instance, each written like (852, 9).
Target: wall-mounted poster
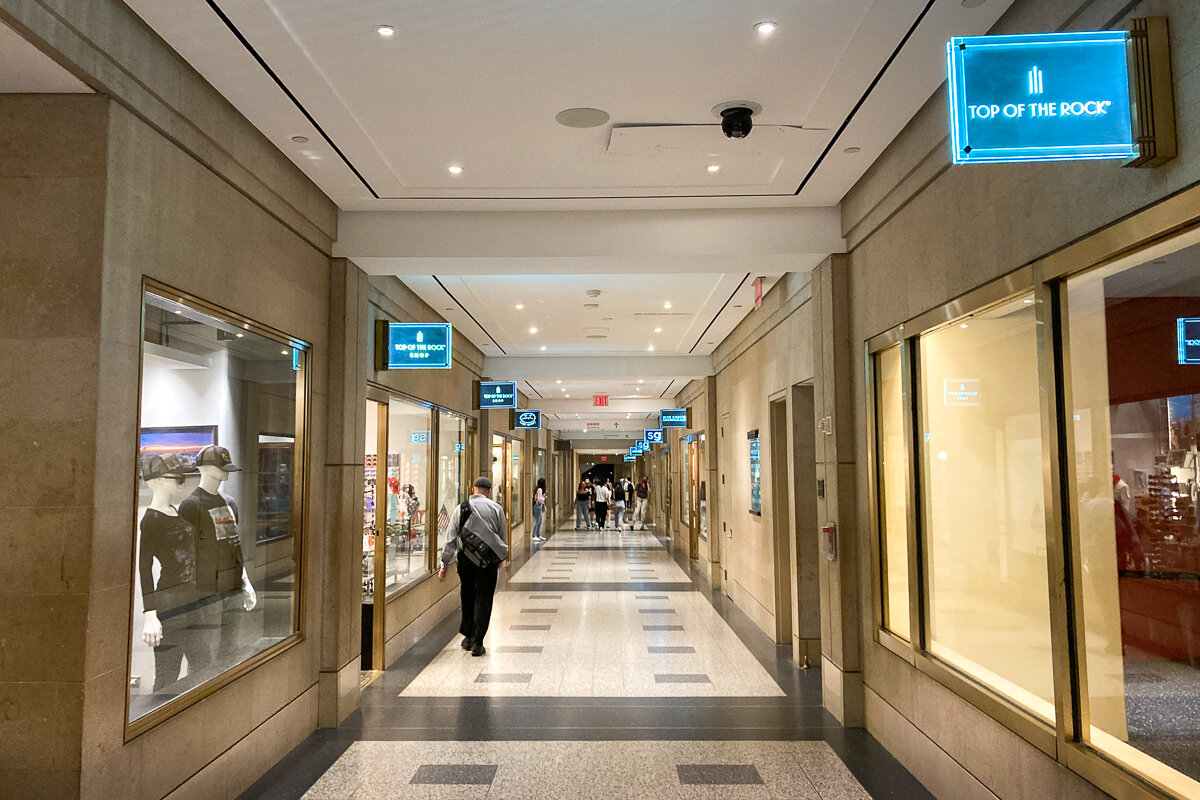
(755, 475)
(183, 443)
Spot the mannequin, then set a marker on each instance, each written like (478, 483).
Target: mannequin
(219, 559)
(168, 538)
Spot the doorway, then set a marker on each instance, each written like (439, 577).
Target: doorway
(781, 519)
(372, 568)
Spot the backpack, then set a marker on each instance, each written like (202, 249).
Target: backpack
(475, 549)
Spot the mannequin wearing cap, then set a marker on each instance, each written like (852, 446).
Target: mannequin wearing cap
(168, 538)
(219, 562)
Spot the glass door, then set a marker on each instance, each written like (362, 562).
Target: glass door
(373, 548)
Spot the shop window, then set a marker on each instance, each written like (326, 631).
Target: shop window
(406, 499)
(984, 522)
(516, 500)
(453, 482)
(218, 501)
(892, 481)
(1134, 405)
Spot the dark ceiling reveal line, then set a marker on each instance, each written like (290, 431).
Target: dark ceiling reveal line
(530, 385)
(862, 100)
(468, 313)
(664, 394)
(714, 319)
(283, 87)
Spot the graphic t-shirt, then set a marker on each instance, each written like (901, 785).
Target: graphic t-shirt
(218, 547)
(171, 540)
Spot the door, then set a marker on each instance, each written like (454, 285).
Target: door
(500, 478)
(693, 490)
(781, 526)
(373, 591)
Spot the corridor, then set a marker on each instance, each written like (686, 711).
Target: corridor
(612, 671)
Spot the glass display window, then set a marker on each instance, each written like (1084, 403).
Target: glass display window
(516, 498)
(1134, 403)
(892, 483)
(984, 521)
(454, 481)
(218, 504)
(404, 499)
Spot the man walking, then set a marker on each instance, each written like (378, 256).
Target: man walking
(481, 521)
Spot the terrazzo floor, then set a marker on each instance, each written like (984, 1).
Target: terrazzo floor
(613, 671)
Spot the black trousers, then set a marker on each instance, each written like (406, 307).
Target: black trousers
(601, 514)
(477, 586)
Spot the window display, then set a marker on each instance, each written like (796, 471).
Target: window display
(984, 504)
(892, 486)
(516, 502)
(410, 439)
(217, 517)
(1135, 412)
(453, 462)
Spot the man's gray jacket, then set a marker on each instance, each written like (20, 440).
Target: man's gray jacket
(487, 521)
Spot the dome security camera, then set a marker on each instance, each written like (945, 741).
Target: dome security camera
(736, 117)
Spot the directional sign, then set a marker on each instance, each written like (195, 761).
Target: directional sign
(653, 435)
(497, 394)
(412, 345)
(675, 418)
(1040, 97)
(527, 420)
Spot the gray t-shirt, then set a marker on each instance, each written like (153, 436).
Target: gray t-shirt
(487, 521)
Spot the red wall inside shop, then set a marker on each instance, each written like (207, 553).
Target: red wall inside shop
(1143, 348)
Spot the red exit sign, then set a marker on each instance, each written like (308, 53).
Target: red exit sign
(604, 458)
(599, 400)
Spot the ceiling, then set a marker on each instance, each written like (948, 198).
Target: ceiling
(26, 70)
(628, 315)
(477, 84)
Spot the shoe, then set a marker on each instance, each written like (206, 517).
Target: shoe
(466, 643)
(478, 649)
(643, 527)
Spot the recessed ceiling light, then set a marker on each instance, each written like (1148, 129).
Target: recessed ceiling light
(964, 325)
(852, 150)
(714, 168)
(581, 117)
(1028, 302)
(283, 352)
(533, 330)
(569, 397)
(766, 27)
(300, 139)
(519, 306)
(641, 380)
(543, 347)
(386, 31)
(558, 381)
(239, 335)
(454, 169)
(650, 348)
(658, 330)
(667, 304)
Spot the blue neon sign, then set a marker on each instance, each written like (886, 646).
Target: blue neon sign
(631, 458)
(527, 420)
(497, 394)
(1040, 97)
(653, 435)
(412, 345)
(1189, 340)
(673, 418)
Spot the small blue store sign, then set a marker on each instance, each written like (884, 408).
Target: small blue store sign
(1189, 340)
(673, 418)
(418, 346)
(497, 394)
(630, 458)
(527, 420)
(1040, 97)
(653, 435)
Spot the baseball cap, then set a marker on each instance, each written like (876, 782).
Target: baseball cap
(216, 456)
(162, 467)
(482, 483)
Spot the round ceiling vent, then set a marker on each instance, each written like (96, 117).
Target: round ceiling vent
(581, 117)
(592, 292)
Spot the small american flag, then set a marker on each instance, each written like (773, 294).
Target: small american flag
(443, 518)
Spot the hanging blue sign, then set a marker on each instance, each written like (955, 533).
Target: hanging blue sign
(497, 394)
(413, 345)
(1189, 340)
(653, 435)
(527, 420)
(1040, 97)
(635, 451)
(631, 458)
(675, 418)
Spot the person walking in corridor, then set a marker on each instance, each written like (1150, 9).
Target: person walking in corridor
(539, 509)
(619, 505)
(642, 498)
(583, 496)
(627, 489)
(603, 495)
(478, 531)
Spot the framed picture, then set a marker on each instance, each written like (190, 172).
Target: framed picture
(183, 442)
